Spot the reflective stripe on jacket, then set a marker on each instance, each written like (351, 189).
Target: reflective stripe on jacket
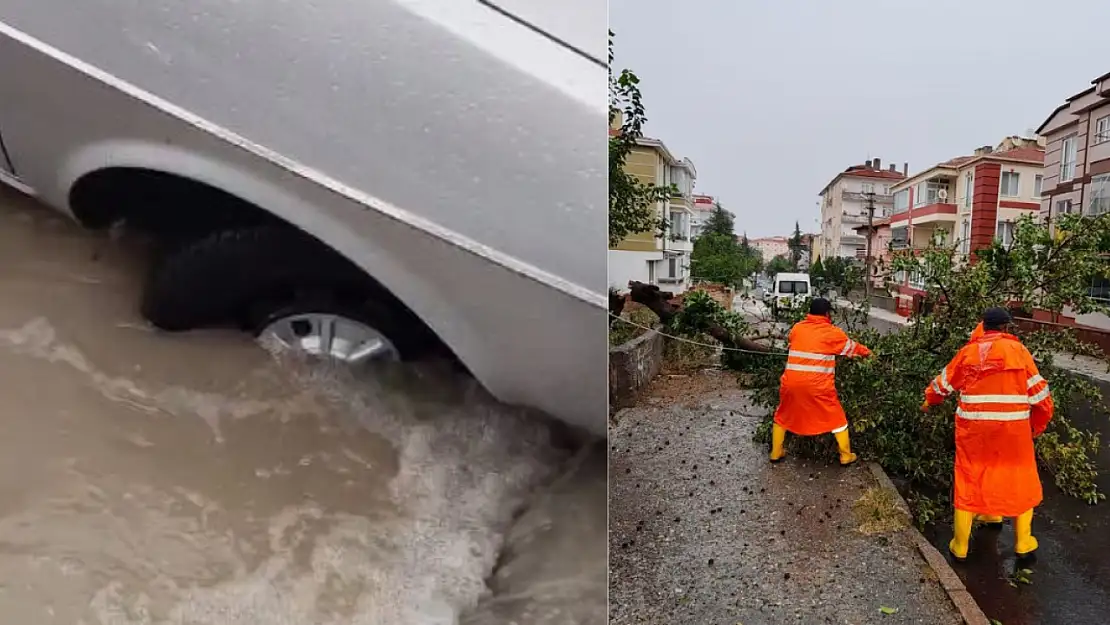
(807, 395)
(1003, 403)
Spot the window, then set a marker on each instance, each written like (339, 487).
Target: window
(928, 193)
(1063, 207)
(1100, 289)
(1067, 159)
(968, 188)
(1100, 195)
(1010, 184)
(965, 237)
(899, 238)
(678, 226)
(1005, 233)
(795, 287)
(902, 201)
(681, 179)
(886, 189)
(868, 187)
(672, 267)
(1038, 180)
(1102, 129)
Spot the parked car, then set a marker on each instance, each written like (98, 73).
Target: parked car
(363, 180)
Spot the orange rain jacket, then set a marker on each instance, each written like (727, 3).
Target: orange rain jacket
(1003, 404)
(977, 333)
(808, 404)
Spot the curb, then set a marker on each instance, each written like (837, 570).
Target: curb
(970, 611)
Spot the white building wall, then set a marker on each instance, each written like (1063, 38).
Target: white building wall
(625, 266)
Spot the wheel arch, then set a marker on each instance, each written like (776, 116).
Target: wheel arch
(252, 197)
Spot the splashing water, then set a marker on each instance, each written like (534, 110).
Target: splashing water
(308, 539)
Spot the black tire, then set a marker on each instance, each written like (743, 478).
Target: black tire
(247, 277)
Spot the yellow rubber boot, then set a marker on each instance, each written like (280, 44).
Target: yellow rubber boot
(778, 440)
(1025, 543)
(843, 441)
(961, 533)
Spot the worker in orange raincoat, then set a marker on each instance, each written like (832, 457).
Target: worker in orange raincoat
(977, 333)
(808, 404)
(1004, 403)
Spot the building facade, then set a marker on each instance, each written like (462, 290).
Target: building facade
(881, 254)
(844, 202)
(968, 201)
(646, 256)
(770, 247)
(1077, 169)
(702, 208)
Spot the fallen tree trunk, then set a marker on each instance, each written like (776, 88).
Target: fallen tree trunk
(616, 305)
(659, 302)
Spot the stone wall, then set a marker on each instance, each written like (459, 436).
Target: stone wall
(631, 366)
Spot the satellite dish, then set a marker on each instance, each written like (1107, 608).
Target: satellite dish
(942, 195)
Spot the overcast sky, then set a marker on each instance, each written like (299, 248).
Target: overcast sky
(771, 98)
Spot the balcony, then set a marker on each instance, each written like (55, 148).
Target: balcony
(856, 196)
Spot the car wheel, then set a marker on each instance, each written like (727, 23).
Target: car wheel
(275, 281)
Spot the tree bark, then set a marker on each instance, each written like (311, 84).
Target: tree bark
(616, 305)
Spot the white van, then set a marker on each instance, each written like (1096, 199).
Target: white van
(789, 290)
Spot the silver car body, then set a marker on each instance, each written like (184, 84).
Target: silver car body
(451, 148)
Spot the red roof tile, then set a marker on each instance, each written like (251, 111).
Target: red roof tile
(862, 171)
(955, 162)
(1031, 154)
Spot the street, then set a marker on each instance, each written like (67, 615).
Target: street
(155, 479)
(705, 530)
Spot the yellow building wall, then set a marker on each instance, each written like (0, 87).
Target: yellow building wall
(642, 162)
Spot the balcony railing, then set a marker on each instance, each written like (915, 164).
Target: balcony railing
(862, 197)
(899, 244)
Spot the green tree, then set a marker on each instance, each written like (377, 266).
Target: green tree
(818, 270)
(778, 264)
(841, 274)
(797, 246)
(721, 222)
(718, 258)
(754, 257)
(632, 204)
(883, 394)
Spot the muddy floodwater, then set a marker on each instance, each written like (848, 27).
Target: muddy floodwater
(198, 479)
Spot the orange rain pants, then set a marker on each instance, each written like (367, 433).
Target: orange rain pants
(1003, 404)
(808, 404)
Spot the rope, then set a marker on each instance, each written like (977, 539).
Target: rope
(698, 343)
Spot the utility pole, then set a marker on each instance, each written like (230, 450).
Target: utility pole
(870, 233)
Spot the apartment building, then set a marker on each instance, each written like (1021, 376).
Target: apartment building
(1077, 155)
(770, 247)
(645, 256)
(880, 236)
(967, 201)
(844, 202)
(702, 208)
(1077, 168)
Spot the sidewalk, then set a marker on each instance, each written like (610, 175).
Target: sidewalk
(704, 530)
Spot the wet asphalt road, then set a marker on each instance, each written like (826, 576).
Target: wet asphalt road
(1070, 579)
(1070, 582)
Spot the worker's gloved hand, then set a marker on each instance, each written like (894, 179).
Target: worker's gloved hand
(925, 406)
